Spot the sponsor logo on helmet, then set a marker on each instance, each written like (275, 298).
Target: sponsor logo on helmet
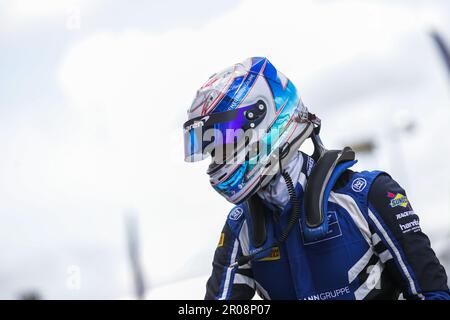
(245, 87)
(274, 255)
(236, 213)
(359, 184)
(197, 124)
(397, 200)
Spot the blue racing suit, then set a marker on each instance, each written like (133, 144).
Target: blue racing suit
(374, 248)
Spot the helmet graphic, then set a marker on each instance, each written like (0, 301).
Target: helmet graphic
(250, 119)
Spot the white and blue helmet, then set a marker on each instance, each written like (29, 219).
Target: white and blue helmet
(246, 118)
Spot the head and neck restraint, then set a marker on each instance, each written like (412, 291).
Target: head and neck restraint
(329, 165)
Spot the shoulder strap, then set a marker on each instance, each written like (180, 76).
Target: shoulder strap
(256, 210)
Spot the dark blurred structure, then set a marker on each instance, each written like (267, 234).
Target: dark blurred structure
(132, 233)
(30, 295)
(366, 146)
(443, 48)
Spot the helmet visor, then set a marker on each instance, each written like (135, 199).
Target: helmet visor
(212, 134)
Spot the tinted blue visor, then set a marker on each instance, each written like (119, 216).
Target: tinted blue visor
(204, 135)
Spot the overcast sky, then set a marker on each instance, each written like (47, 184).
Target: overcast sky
(94, 93)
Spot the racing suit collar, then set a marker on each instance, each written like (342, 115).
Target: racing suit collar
(276, 192)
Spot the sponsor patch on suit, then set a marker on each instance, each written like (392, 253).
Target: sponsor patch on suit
(274, 255)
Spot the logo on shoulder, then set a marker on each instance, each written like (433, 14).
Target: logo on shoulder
(413, 226)
(221, 240)
(404, 214)
(236, 213)
(397, 200)
(359, 184)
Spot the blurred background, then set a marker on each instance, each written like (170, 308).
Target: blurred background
(96, 201)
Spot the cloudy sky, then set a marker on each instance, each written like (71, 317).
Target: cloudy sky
(94, 93)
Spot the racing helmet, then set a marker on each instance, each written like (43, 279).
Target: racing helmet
(250, 119)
